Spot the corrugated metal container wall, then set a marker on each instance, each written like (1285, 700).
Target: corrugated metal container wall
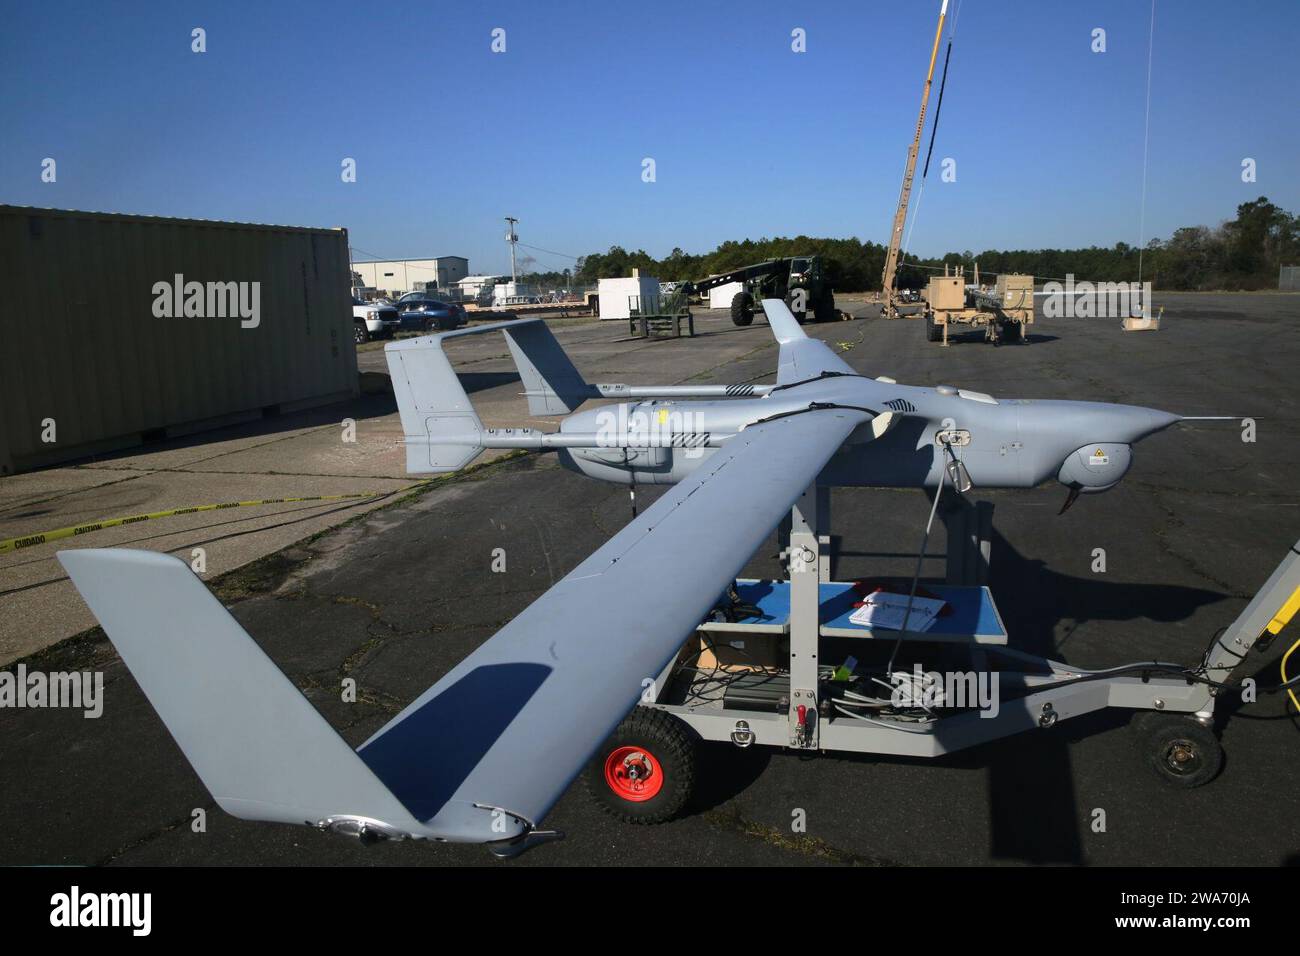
(81, 344)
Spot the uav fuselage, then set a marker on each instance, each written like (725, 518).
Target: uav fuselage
(1004, 443)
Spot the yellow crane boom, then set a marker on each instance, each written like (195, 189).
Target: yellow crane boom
(900, 217)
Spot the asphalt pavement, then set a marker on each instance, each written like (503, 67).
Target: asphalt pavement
(396, 596)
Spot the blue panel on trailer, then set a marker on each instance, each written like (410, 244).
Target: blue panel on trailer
(772, 598)
(972, 614)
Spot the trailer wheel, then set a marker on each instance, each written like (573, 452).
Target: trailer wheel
(742, 308)
(1182, 751)
(645, 771)
(1013, 332)
(933, 331)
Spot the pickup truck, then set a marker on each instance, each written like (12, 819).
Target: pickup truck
(373, 321)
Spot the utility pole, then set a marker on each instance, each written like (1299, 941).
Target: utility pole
(512, 238)
(890, 309)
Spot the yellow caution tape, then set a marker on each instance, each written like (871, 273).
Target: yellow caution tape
(31, 540)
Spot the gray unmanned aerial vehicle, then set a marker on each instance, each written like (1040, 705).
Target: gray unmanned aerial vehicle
(484, 753)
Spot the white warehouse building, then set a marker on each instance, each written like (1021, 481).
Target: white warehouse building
(401, 275)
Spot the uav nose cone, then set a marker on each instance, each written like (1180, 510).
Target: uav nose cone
(1122, 423)
(1152, 420)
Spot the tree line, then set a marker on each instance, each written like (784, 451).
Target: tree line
(1241, 253)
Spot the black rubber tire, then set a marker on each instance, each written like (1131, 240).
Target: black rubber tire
(825, 310)
(742, 308)
(1012, 332)
(1143, 722)
(1182, 751)
(933, 330)
(671, 743)
(359, 334)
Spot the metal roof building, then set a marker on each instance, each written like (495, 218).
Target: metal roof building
(401, 275)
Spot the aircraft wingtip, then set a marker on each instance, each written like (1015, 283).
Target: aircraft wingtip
(79, 561)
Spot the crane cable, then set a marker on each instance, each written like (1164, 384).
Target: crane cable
(938, 106)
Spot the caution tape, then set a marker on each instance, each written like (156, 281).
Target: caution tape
(31, 540)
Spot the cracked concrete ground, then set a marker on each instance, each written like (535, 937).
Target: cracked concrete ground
(397, 596)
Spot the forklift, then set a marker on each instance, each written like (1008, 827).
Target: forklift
(799, 280)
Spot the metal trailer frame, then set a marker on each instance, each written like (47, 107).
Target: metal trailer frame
(1049, 697)
(991, 309)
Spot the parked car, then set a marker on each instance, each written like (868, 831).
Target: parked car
(373, 321)
(421, 312)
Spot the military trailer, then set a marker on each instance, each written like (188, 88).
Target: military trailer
(1003, 311)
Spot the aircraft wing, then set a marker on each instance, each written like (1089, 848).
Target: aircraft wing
(801, 357)
(514, 723)
(483, 754)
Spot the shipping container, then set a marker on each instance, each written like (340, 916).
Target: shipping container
(620, 296)
(120, 329)
(720, 296)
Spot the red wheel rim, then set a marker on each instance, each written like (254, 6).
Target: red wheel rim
(633, 773)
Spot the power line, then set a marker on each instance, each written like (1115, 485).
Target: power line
(1146, 140)
(552, 252)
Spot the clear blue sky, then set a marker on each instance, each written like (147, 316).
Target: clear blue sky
(749, 138)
